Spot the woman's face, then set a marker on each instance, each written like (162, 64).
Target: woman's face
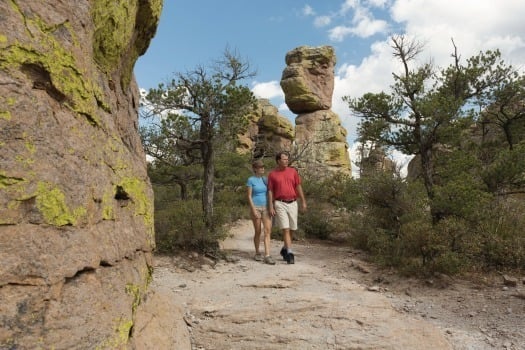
(258, 170)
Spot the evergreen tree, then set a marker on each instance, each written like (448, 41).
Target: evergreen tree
(205, 108)
(428, 110)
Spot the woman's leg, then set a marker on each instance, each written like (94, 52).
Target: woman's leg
(257, 235)
(267, 226)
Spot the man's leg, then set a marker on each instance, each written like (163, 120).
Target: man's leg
(287, 238)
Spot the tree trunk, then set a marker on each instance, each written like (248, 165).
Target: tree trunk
(208, 185)
(427, 167)
(183, 190)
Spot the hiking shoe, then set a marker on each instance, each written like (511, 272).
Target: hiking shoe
(283, 253)
(258, 257)
(290, 258)
(269, 260)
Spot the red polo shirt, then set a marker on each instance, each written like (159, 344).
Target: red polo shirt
(282, 183)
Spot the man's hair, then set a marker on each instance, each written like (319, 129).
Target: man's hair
(279, 155)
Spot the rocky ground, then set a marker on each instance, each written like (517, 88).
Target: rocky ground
(332, 299)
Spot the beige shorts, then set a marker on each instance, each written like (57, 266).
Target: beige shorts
(286, 215)
(260, 213)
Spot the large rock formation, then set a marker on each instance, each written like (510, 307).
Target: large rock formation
(308, 84)
(308, 79)
(76, 214)
(268, 131)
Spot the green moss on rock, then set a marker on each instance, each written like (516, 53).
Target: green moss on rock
(51, 203)
(46, 52)
(114, 22)
(137, 190)
(108, 213)
(5, 115)
(123, 31)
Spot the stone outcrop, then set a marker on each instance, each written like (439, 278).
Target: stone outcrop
(374, 160)
(76, 213)
(308, 84)
(324, 141)
(268, 131)
(308, 79)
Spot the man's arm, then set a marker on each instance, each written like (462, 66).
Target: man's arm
(300, 193)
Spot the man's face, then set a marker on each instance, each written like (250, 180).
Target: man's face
(283, 161)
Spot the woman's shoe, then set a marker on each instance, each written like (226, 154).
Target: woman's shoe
(269, 260)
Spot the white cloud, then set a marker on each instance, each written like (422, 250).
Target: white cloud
(283, 108)
(270, 89)
(367, 27)
(348, 5)
(308, 11)
(338, 33)
(473, 24)
(322, 21)
(374, 74)
(377, 3)
(363, 23)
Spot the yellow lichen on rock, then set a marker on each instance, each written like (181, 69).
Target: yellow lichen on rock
(51, 203)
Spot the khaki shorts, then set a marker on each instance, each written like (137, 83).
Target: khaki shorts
(260, 213)
(285, 215)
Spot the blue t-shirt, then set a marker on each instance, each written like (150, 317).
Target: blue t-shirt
(259, 189)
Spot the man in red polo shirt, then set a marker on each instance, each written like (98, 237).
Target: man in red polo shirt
(284, 187)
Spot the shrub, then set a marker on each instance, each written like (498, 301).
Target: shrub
(501, 236)
(181, 226)
(316, 223)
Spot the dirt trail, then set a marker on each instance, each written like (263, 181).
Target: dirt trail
(323, 301)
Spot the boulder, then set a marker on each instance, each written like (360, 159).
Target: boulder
(308, 79)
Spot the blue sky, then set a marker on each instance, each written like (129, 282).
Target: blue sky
(195, 32)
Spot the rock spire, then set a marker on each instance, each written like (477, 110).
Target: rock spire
(308, 84)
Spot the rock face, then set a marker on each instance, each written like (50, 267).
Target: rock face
(76, 214)
(308, 84)
(268, 131)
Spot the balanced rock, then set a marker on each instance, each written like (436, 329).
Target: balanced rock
(308, 79)
(308, 83)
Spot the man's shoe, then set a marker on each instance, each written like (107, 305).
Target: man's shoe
(290, 258)
(283, 253)
(258, 257)
(269, 260)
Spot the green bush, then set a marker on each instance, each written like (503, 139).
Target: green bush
(232, 204)
(181, 226)
(501, 235)
(316, 222)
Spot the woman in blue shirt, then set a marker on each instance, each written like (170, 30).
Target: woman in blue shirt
(257, 190)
